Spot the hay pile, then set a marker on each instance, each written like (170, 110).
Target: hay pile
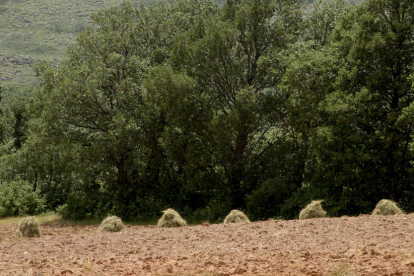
(387, 207)
(236, 216)
(171, 218)
(313, 210)
(28, 227)
(111, 224)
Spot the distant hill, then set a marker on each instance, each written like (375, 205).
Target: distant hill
(33, 30)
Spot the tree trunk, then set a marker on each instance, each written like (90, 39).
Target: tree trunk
(237, 171)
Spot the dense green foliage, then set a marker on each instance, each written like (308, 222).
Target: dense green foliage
(18, 198)
(207, 108)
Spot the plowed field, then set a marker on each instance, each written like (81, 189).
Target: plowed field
(364, 245)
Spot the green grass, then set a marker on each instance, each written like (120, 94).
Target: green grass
(341, 270)
(49, 218)
(55, 219)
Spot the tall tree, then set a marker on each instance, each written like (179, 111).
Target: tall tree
(234, 59)
(96, 102)
(321, 21)
(365, 153)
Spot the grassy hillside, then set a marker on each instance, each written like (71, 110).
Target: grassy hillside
(33, 30)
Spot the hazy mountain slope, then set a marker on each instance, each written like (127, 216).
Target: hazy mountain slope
(33, 30)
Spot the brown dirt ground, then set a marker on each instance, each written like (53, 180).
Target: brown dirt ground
(364, 245)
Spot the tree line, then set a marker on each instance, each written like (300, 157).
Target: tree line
(205, 108)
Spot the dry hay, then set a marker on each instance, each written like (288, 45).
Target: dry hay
(313, 210)
(387, 207)
(236, 216)
(34, 273)
(111, 224)
(171, 218)
(28, 227)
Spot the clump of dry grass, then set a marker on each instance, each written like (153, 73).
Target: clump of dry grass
(313, 210)
(236, 216)
(387, 207)
(28, 227)
(34, 273)
(171, 218)
(111, 224)
(341, 270)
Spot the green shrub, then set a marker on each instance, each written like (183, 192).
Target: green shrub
(17, 199)
(78, 205)
(269, 199)
(79, 201)
(216, 210)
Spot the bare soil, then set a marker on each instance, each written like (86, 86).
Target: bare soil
(364, 245)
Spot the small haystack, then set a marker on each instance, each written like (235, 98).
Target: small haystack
(111, 224)
(28, 227)
(171, 218)
(313, 210)
(236, 216)
(387, 207)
